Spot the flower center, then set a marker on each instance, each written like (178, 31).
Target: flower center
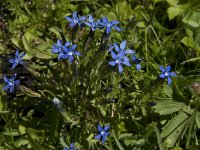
(108, 25)
(75, 20)
(166, 74)
(70, 53)
(102, 132)
(117, 61)
(11, 82)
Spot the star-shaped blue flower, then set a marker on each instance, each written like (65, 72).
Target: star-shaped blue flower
(71, 52)
(57, 48)
(137, 61)
(167, 74)
(11, 83)
(17, 60)
(92, 24)
(71, 147)
(103, 133)
(75, 20)
(109, 25)
(119, 59)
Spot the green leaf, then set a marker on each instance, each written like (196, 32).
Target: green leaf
(198, 119)
(176, 134)
(33, 143)
(167, 107)
(173, 124)
(117, 141)
(22, 129)
(191, 128)
(159, 139)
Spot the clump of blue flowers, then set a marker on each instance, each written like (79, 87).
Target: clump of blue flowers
(17, 60)
(11, 83)
(120, 57)
(66, 51)
(103, 133)
(166, 73)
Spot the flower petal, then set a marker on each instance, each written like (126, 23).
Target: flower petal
(17, 53)
(108, 29)
(90, 18)
(106, 128)
(71, 59)
(129, 51)
(169, 80)
(99, 128)
(59, 43)
(127, 63)
(69, 19)
(168, 68)
(105, 20)
(173, 74)
(11, 88)
(114, 56)
(134, 58)
(6, 79)
(123, 45)
(82, 18)
(77, 53)
(14, 65)
(117, 28)
(98, 137)
(138, 66)
(12, 60)
(71, 145)
(73, 46)
(112, 63)
(116, 47)
(104, 138)
(75, 15)
(120, 68)
(88, 24)
(5, 88)
(162, 75)
(162, 68)
(115, 22)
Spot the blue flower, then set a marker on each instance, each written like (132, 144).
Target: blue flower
(75, 20)
(103, 133)
(137, 61)
(17, 60)
(92, 24)
(109, 25)
(167, 74)
(71, 52)
(71, 147)
(11, 83)
(119, 59)
(57, 48)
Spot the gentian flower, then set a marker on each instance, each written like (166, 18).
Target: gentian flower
(109, 25)
(57, 48)
(17, 60)
(167, 74)
(75, 20)
(11, 83)
(119, 59)
(92, 24)
(137, 61)
(71, 52)
(103, 133)
(71, 147)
